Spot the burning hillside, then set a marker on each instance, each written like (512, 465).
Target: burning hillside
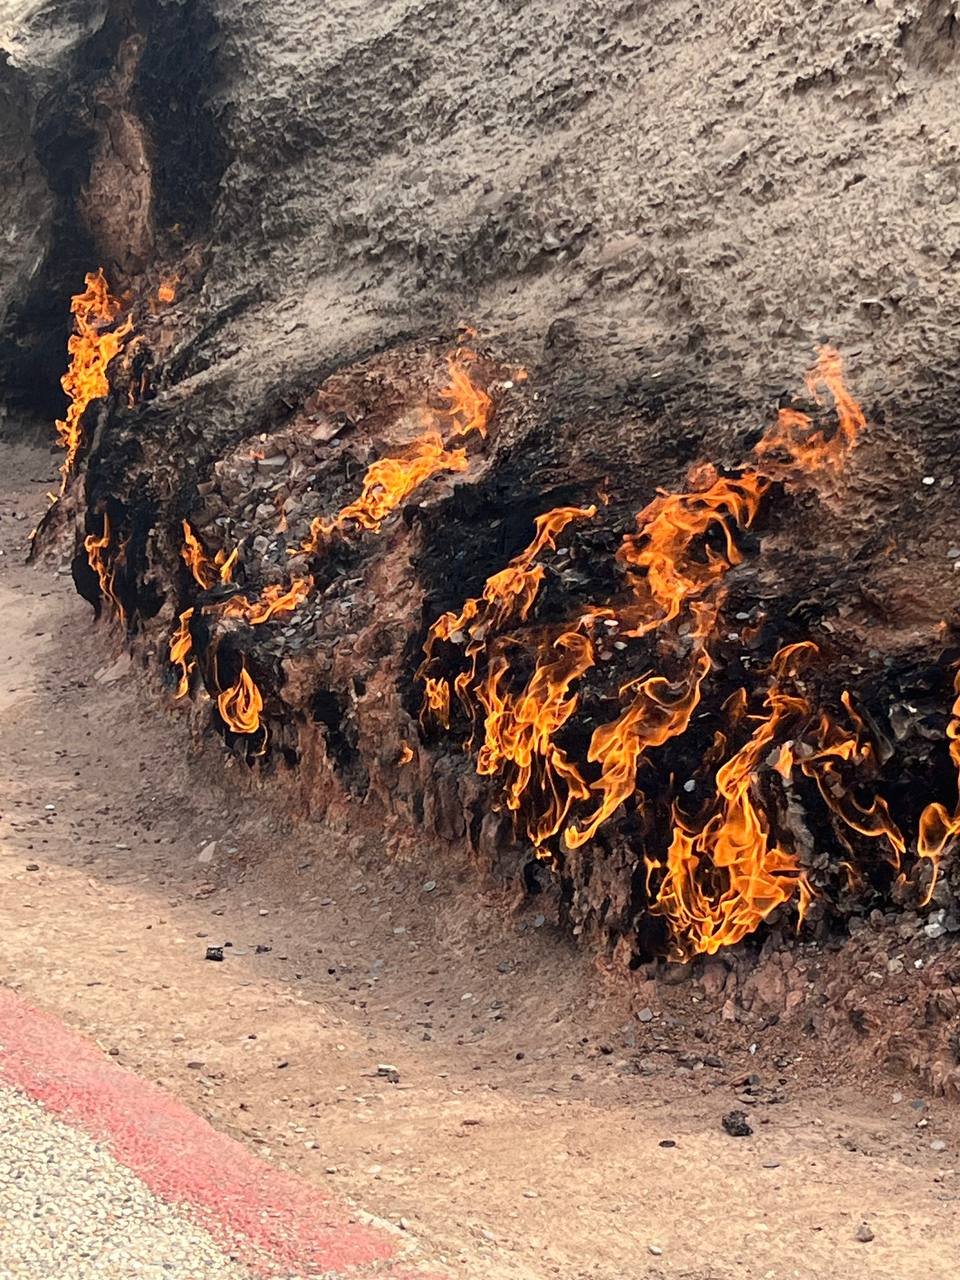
(600, 590)
(608, 688)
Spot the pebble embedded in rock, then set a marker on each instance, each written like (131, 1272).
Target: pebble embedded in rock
(864, 1234)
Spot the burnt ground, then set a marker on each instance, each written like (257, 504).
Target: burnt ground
(523, 1137)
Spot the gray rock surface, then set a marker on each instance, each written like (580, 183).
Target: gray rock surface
(716, 186)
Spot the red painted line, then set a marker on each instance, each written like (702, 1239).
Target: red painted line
(271, 1221)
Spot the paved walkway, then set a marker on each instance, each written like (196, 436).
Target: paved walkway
(105, 1177)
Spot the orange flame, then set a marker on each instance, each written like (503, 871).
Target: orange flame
(274, 599)
(507, 595)
(519, 733)
(660, 558)
(662, 567)
(470, 406)
(96, 549)
(91, 347)
(659, 711)
(240, 705)
(206, 572)
(388, 482)
(167, 290)
(181, 647)
(719, 881)
(436, 698)
(807, 449)
(939, 829)
(835, 748)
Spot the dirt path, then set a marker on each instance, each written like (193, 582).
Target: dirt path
(522, 1136)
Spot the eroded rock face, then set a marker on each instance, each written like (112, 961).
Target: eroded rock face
(38, 50)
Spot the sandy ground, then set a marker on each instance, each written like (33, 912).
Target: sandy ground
(519, 1134)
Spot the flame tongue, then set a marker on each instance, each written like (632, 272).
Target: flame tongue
(939, 829)
(804, 449)
(181, 649)
(96, 549)
(92, 347)
(520, 731)
(664, 568)
(274, 600)
(722, 878)
(470, 407)
(508, 596)
(206, 572)
(241, 704)
(389, 482)
(836, 748)
(720, 882)
(659, 711)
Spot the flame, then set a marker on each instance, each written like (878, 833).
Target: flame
(388, 482)
(836, 747)
(659, 711)
(662, 565)
(806, 449)
(507, 595)
(167, 290)
(470, 407)
(719, 882)
(436, 698)
(722, 878)
(938, 827)
(519, 733)
(181, 655)
(406, 753)
(274, 599)
(241, 704)
(96, 549)
(661, 560)
(92, 346)
(206, 572)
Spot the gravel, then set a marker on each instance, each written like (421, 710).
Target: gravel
(69, 1210)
